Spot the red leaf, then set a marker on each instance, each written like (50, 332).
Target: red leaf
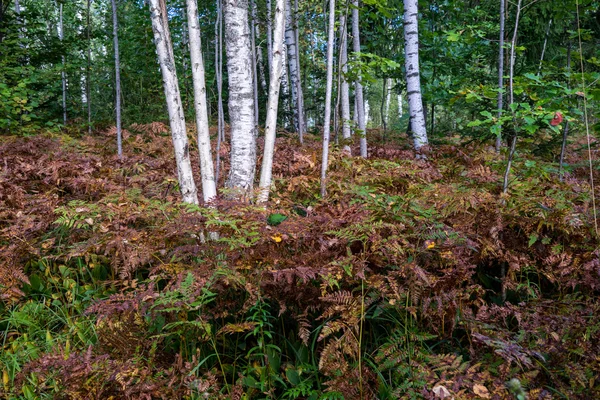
(558, 118)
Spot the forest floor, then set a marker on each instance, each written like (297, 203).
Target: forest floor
(412, 279)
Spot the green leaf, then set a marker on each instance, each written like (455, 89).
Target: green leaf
(532, 239)
(292, 376)
(276, 219)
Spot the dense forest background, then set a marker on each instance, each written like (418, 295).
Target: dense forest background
(467, 267)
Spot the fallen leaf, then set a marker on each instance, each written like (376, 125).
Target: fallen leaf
(481, 391)
(276, 238)
(441, 392)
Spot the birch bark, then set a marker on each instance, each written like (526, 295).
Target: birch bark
(273, 103)
(241, 97)
(164, 50)
(88, 75)
(219, 79)
(413, 77)
(209, 189)
(344, 87)
(117, 78)
(500, 102)
(290, 39)
(63, 76)
(254, 62)
(359, 97)
(327, 119)
(301, 112)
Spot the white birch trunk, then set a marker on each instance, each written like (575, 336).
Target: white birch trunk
(254, 62)
(269, 39)
(290, 39)
(164, 50)
(367, 112)
(327, 119)
(285, 87)
(388, 98)
(241, 98)
(219, 79)
(301, 112)
(273, 103)
(209, 188)
(117, 79)
(400, 104)
(413, 77)
(63, 76)
(500, 101)
(344, 87)
(359, 96)
(88, 75)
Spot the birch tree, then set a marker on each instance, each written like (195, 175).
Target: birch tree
(293, 62)
(413, 77)
(254, 61)
(88, 70)
(117, 78)
(273, 103)
(209, 190)
(388, 99)
(344, 87)
(500, 102)
(241, 97)
(164, 50)
(328, 90)
(219, 79)
(359, 96)
(301, 111)
(63, 76)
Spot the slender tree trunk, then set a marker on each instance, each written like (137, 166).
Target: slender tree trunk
(273, 102)
(219, 79)
(241, 100)
(344, 87)
(259, 60)
(500, 74)
(254, 61)
(164, 49)
(328, 90)
(511, 93)
(285, 89)
(301, 112)
(382, 105)
(400, 105)
(359, 97)
(269, 39)
(209, 188)
(413, 77)
(185, 45)
(388, 100)
(117, 78)
(563, 147)
(61, 36)
(544, 46)
(19, 21)
(295, 82)
(88, 77)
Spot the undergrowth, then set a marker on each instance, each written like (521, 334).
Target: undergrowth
(413, 279)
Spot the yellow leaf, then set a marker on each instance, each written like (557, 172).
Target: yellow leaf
(276, 238)
(5, 378)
